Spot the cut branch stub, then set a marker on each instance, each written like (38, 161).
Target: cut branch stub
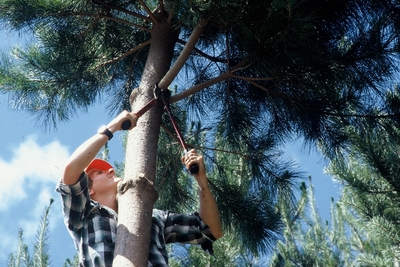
(142, 185)
(133, 229)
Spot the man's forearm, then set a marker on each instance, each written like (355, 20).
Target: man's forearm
(209, 211)
(208, 207)
(86, 152)
(81, 158)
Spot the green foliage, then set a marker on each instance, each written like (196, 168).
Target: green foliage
(227, 253)
(40, 257)
(305, 60)
(72, 263)
(344, 241)
(68, 68)
(364, 224)
(371, 191)
(264, 72)
(247, 206)
(21, 257)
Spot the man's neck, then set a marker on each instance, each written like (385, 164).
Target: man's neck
(109, 201)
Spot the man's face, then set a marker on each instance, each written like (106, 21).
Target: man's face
(104, 182)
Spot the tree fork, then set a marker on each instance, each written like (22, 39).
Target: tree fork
(135, 207)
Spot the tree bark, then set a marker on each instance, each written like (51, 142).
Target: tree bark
(136, 194)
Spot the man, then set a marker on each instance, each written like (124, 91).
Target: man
(89, 187)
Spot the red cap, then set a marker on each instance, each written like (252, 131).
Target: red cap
(98, 164)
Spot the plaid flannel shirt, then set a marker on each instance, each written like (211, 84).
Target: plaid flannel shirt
(93, 228)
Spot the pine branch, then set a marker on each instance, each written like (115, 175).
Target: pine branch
(252, 81)
(173, 136)
(90, 27)
(201, 53)
(41, 256)
(110, 6)
(153, 19)
(183, 57)
(252, 78)
(238, 153)
(98, 16)
(369, 116)
(125, 22)
(20, 252)
(208, 83)
(133, 50)
(199, 87)
(228, 53)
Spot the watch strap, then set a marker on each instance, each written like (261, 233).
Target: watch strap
(106, 131)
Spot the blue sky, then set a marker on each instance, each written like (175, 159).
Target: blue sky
(32, 161)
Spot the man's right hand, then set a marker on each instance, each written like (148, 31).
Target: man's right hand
(87, 151)
(116, 124)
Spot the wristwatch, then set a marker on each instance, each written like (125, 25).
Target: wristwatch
(104, 130)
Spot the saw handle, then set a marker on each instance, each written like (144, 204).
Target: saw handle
(126, 125)
(194, 168)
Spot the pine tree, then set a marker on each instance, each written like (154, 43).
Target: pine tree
(364, 225)
(371, 197)
(40, 257)
(264, 71)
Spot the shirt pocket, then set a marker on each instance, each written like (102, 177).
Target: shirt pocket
(102, 229)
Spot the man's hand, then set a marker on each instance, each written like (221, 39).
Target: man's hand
(208, 207)
(116, 124)
(190, 158)
(86, 152)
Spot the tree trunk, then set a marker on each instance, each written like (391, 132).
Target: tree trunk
(136, 195)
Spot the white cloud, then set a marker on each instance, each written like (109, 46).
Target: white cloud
(30, 166)
(31, 171)
(31, 223)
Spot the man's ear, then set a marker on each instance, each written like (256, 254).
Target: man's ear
(111, 171)
(91, 192)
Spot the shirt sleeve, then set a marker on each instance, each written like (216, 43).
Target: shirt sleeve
(189, 229)
(76, 202)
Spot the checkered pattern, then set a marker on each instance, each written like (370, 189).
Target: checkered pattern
(93, 228)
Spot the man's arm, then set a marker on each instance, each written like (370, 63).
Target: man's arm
(87, 151)
(208, 207)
